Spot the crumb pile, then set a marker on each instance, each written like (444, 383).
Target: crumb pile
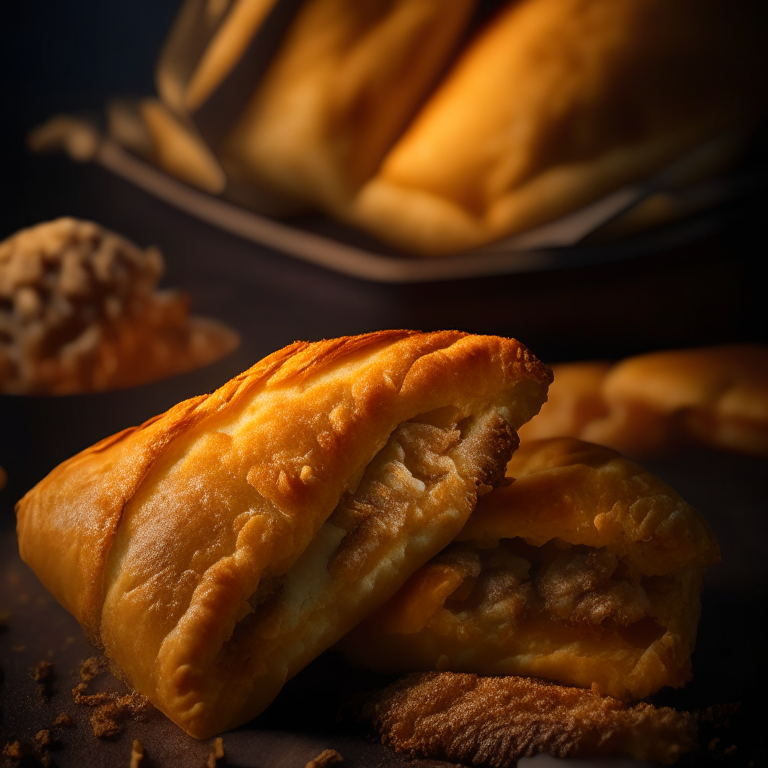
(80, 311)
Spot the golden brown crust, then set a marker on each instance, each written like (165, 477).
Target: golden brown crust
(494, 721)
(585, 570)
(653, 404)
(188, 556)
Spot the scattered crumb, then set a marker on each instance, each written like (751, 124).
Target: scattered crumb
(108, 720)
(43, 738)
(719, 714)
(713, 744)
(42, 672)
(65, 720)
(92, 667)
(730, 750)
(325, 758)
(216, 753)
(89, 699)
(112, 709)
(13, 749)
(137, 754)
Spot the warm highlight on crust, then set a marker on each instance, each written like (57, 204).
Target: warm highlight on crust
(494, 721)
(181, 545)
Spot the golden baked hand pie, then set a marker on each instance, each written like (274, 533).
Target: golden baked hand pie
(585, 570)
(218, 548)
(556, 103)
(655, 403)
(346, 80)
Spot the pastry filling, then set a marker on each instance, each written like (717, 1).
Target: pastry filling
(587, 591)
(411, 500)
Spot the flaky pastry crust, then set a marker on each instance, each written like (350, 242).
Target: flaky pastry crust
(216, 549)
(346, 80)
(585, 570)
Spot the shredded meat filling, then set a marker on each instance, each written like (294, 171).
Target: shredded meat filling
(575, 584)
(590, 588)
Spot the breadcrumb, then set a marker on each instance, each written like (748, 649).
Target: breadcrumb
(217, 753)
(137, 754)
(42, 672)
(65, 720)
(325, 758)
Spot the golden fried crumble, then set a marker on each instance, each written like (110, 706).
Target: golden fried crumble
(497, 720)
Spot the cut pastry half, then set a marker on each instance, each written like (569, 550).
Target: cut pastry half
(218, 548)
(585, 570)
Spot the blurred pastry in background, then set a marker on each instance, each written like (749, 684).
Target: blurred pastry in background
(653, 404)
(585, 570)
(346, 80)
(80, 312)
(378, 115)
(555, 104)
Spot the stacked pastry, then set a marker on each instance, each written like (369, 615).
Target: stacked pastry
(360, 482)
(217, 549)
(437, 128)
(586, 569)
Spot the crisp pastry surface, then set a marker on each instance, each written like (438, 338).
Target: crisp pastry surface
(494, 721)
(585, 570)
(559, 102)
(216, 549)
(655, 403)
(346, 80)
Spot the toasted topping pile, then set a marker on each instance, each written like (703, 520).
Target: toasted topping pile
(76, 300)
